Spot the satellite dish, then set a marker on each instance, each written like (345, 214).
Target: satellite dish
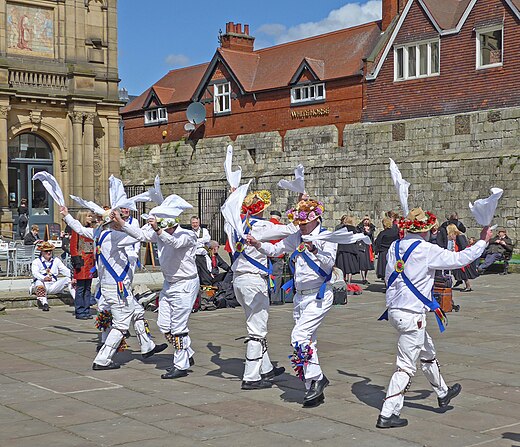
(188, 127)
(196, 113)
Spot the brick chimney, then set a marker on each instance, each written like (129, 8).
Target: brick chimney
(391, 8)
(236, 39)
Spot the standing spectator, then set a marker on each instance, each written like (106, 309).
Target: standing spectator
(82, 258)
(366, 253)
(203, 236)
(23, 218)
(347, 257)
(434, 232)
(33, 237)
(452, 219)
(458, 242)
(275, 293)
(500, 248)
(384, 239)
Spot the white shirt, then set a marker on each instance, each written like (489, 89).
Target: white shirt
(113, 249)
(41, 268)
(203, 239)
(420, 270)
(304, 277)
(259, 230)
(176, 251)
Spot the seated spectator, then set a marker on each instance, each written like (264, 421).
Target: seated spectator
(500, 248)
(33, 237)
(209, 266)
(45, 270)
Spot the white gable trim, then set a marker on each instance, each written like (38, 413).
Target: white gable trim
(462, 20)
(382, 60)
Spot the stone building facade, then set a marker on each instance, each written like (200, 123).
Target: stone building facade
(449, 161)
(59, 105)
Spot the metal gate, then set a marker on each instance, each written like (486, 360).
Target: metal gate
(210, 201)
(133, 190)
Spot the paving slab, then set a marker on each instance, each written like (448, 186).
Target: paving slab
(49, 394)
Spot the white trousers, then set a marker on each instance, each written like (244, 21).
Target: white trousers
(251, 292)
(52, 287)
(175, 304)
(414, 343)
(308, 313)
(124, 312)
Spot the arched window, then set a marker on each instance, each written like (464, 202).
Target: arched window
(29, 145)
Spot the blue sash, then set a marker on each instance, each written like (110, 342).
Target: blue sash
(121, 289)
(240, 250)
(49, 268)
(432, 304)
(300, 251)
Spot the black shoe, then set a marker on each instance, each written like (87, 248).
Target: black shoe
(45, 307)
(127, 334)
(391, 422)
(111, 365)
(315, 392)
(174, 373)
(192, 361)
(457, 284)
(157, 349)
(452, 392)
(273, 373)
(98, 348)
(456, 307)
(256, 385)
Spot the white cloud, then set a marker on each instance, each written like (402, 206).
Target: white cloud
(177, 60)
(350, 14)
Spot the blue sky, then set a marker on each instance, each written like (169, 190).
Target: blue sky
(156, 36)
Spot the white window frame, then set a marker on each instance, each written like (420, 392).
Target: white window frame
(417, 45)
(307, 98)
(479, 33)
(156, 116)
(221, 94)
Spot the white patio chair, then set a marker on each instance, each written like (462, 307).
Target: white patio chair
(4, 256)
(23, 259)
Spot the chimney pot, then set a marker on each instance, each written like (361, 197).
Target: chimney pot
(228, 26)
(239, 28)
(246, 30)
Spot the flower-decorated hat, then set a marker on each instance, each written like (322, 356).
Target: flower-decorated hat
(167, 222)
(46, 246)
(305, 211)
(256, 201)
(418, 221)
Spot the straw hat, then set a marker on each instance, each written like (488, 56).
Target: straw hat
(46, 246)
(305, 211)
(418, 221)
(256, 202)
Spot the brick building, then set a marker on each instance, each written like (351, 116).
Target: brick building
(311, 82)
(445, 57)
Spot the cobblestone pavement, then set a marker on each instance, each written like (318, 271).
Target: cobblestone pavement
(49, 395)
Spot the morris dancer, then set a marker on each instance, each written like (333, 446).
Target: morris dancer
(250, 284)
(45, 270)
(410, 274)
(116, 288)
(313, 297)
(176, 248)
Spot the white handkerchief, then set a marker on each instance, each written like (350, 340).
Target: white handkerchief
(173, 206)
(483, 210)
(89, 205)
(341, 236)
(273, 232)
(118, 197)
(401, 185)
(232, 207)
(233, 177)
(51, 185)
(296, 185)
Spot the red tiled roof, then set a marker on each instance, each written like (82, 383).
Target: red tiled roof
(333, 55)
(176, 87)
(447, 13)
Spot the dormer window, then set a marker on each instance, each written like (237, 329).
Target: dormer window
(222, 98)
(155, 116)
(307, 93)
(418, 60)
(489, 47)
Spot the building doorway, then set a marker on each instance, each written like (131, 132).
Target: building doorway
(29, 154)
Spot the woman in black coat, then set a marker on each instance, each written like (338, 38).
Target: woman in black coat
(347, 256)
(384, 239)
(366, 253)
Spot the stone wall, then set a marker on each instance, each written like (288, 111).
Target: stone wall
(449, 161)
